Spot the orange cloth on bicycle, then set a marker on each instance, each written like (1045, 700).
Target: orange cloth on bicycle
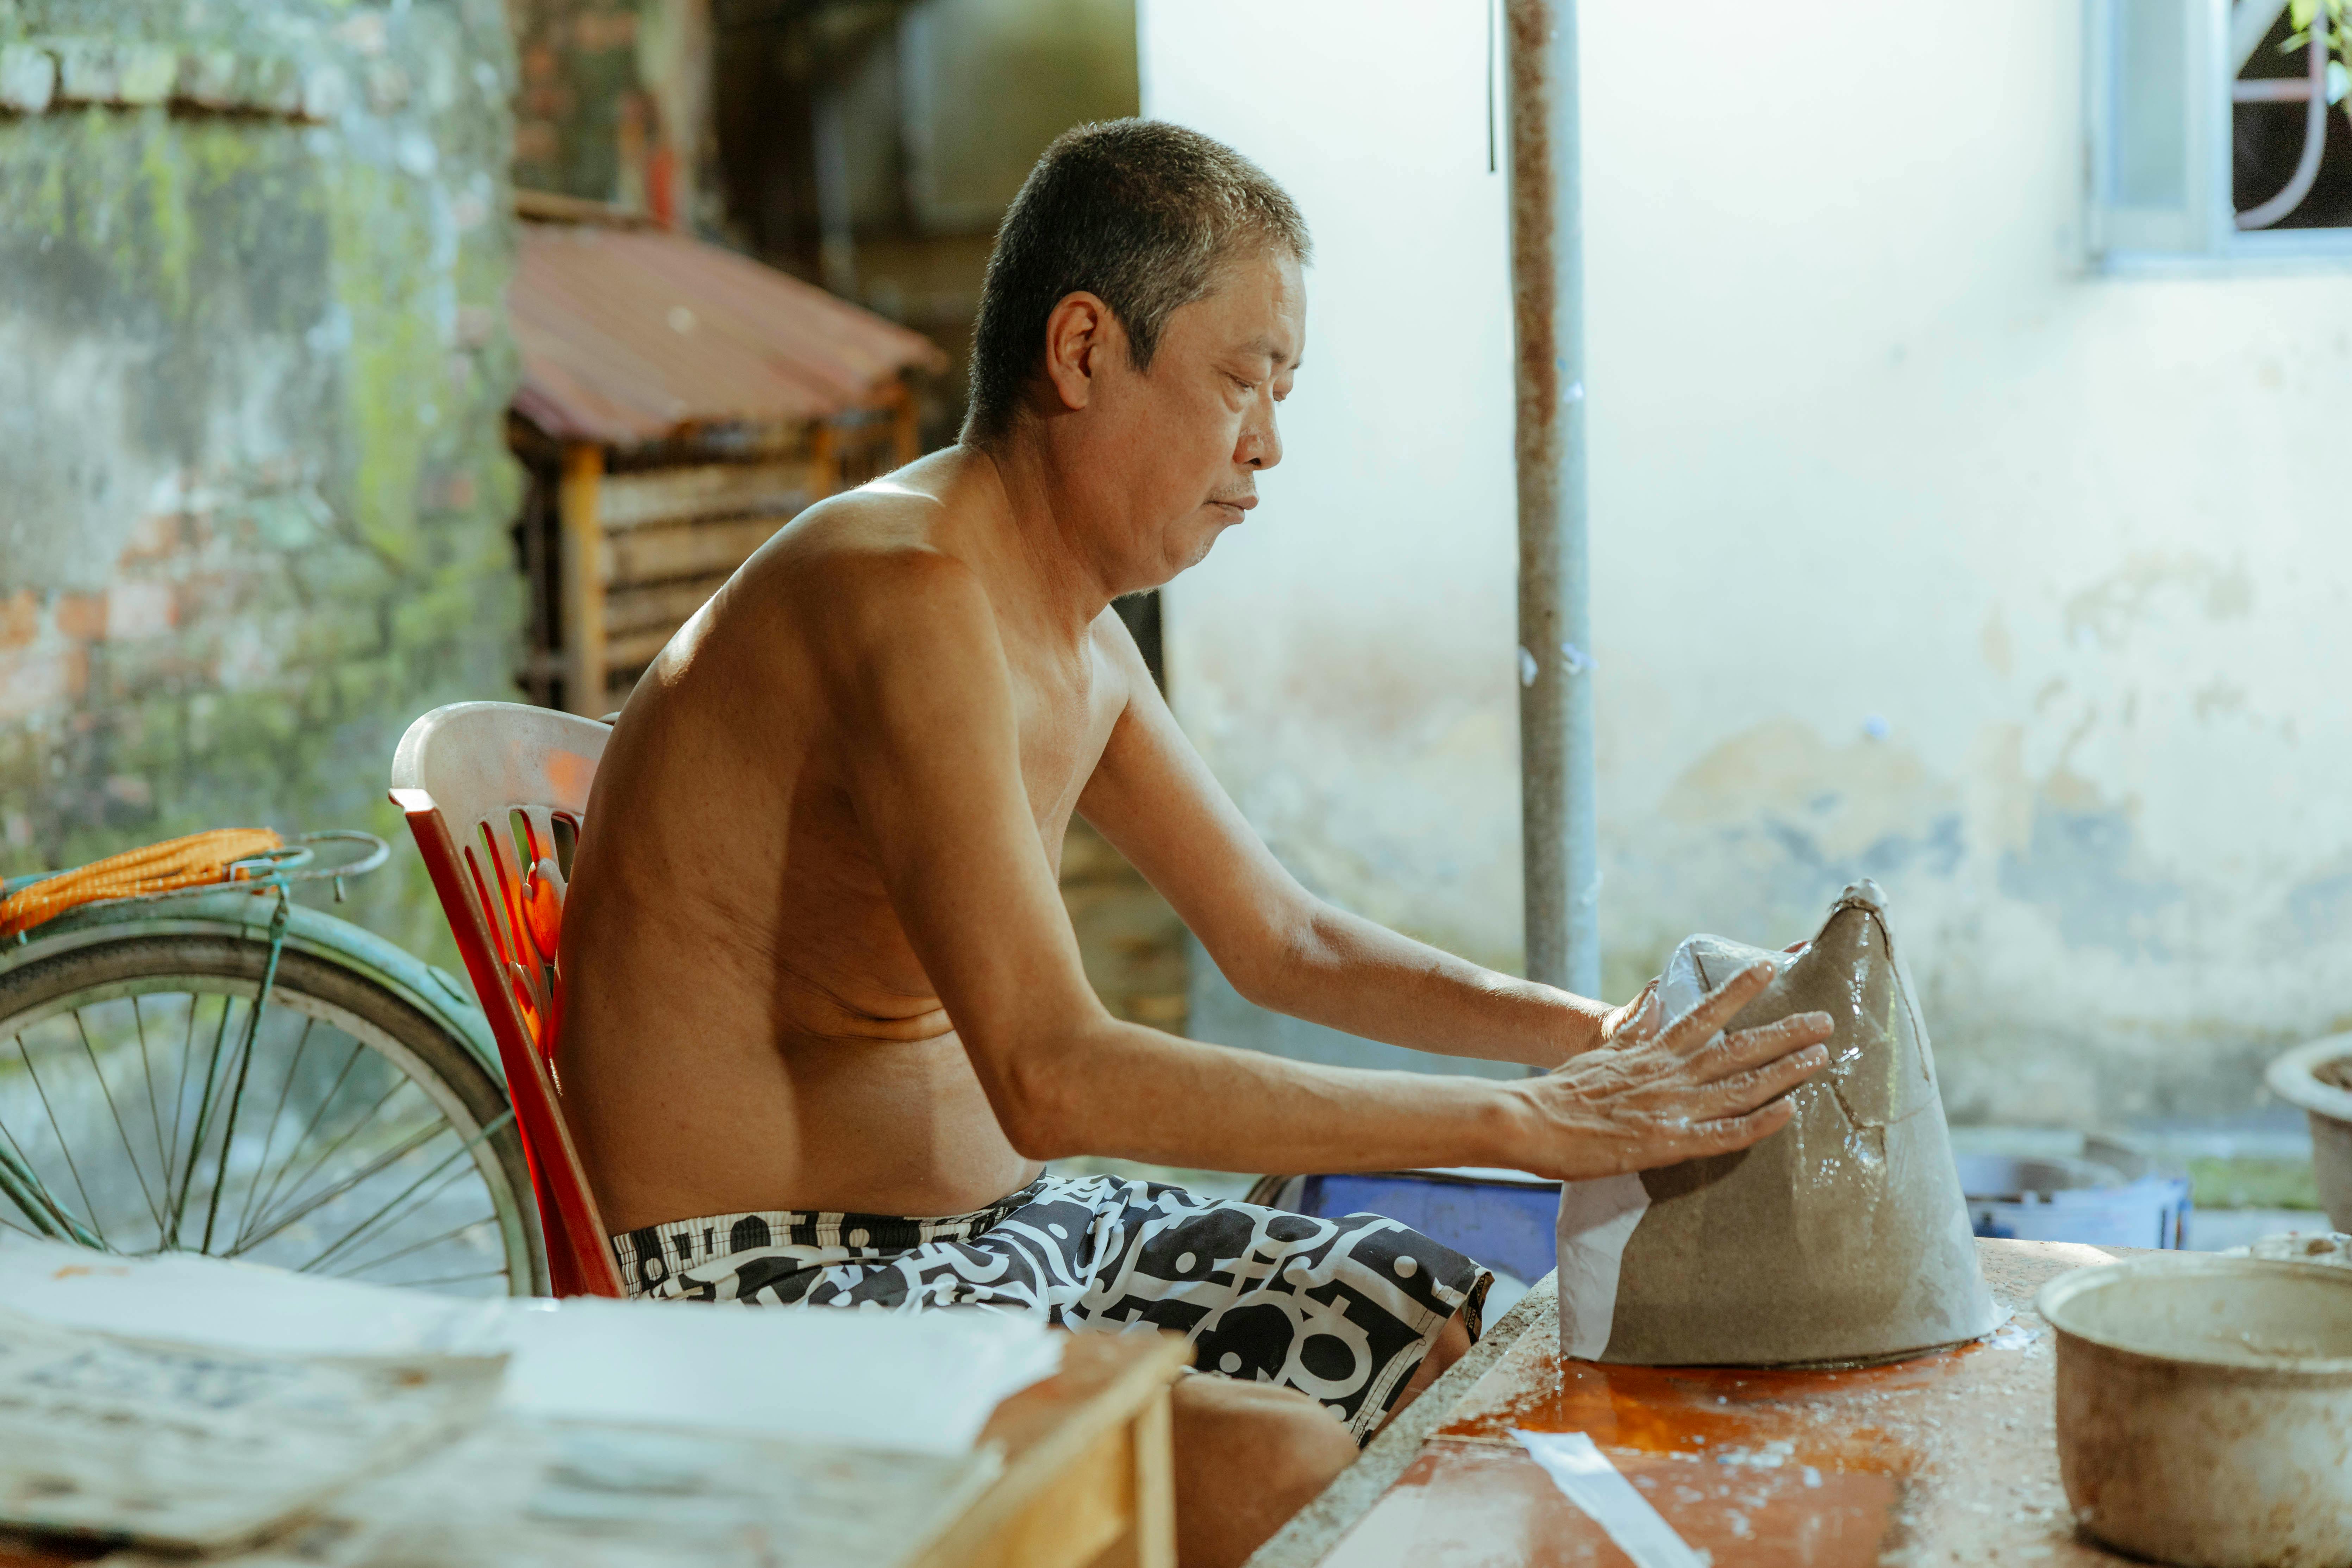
(158, 868)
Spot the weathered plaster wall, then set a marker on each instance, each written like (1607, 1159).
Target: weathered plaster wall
(254, 495)
(1920, 550)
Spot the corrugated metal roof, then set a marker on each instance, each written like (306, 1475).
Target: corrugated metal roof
(627, 334)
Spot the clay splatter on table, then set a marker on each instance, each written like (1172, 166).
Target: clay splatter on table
(1946, 1458)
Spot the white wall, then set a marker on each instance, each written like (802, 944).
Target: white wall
(1918, 551)
(1345, 658)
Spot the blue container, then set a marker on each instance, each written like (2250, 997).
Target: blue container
(1504, 1219)
(2072, 1200)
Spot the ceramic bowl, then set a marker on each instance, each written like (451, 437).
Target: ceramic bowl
(2294, 1077)
(2205, 1408)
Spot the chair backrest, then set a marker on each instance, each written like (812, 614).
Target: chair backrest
(484, 786)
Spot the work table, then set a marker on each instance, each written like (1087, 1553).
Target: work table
(1946, 1458)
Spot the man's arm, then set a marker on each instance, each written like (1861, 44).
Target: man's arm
(919, 693)
(1282, 947)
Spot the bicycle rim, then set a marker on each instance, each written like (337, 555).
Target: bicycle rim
(148, 1109)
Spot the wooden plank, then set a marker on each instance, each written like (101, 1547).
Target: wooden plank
(1075, 1516)
(684, 549)
(712, 489)
(583, 579)
(1152, 1540)
(632, 651)
(906, 440)
(825, 460)
(665, 604)
(1053, 1429)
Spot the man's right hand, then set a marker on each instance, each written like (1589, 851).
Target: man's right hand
(1662, 1092)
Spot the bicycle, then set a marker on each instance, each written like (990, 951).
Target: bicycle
(219, 1069)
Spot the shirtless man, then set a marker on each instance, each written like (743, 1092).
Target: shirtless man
(827, 1018)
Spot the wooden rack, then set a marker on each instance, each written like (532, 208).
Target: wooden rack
(621, 550)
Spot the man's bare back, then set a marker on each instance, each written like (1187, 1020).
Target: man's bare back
(759, 1033)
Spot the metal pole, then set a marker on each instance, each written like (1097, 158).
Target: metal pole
(1559, 845)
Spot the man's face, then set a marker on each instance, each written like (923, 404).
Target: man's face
(1179, 449)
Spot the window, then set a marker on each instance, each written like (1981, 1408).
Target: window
(2221, 130)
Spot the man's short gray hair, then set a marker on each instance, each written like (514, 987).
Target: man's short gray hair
(1140, 213)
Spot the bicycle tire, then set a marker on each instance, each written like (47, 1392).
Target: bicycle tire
(394, 1034)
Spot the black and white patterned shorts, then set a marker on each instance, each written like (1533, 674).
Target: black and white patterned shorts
(1340, 1309)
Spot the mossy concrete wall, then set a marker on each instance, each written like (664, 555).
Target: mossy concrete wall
(255, 497)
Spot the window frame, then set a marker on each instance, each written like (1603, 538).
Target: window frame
(2198, 232)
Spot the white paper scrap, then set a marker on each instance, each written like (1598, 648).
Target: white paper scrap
(1596, 1219)
(921, 1382)
(1585, 1477)
(190, 1299)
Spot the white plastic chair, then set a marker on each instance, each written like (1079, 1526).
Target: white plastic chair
(473, 779)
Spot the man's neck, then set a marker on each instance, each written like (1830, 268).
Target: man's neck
(1034, 535)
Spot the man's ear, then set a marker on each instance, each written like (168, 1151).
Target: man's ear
(1077, 335)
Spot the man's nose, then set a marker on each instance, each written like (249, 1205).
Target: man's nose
(1261, 443)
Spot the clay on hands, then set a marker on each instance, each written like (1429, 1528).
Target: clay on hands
(1664, 1089)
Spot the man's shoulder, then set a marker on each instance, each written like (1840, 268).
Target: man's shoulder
(868, 559)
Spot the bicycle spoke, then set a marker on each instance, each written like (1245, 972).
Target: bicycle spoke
(119, 1131)
(407, 1146)
(22, 1168)
(235, 1098)
(154, 1107)
(269, 1141)
(87, 1208)
(462, 1150)
(180, 1097)
(422, 1203)
(329, 1152)
(355, 1270)
(312, 1126)
(204, 1114)
(25, 1189)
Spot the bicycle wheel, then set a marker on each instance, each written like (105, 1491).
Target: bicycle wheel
(339, 1131)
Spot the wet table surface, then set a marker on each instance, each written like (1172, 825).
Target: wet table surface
(1947, 1459)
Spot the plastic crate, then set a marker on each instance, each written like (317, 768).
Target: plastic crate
(2056, 1199)
(1505, 1219)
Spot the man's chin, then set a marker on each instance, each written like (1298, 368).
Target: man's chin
(1188, 555)
(1181, 549)
(1190, 552)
